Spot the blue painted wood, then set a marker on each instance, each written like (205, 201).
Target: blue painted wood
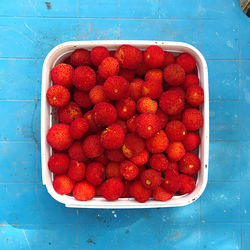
(10, 74)
(19, 168)
(244, 42)
(245, 202)
(221, 203)
(18, 203)
(46, 237)
(245, 236)
(223, 86)
(20, 120)
(17, 237)
(220, 9)
(180, 9)
(139, 9)
(30, 218)
(220, 236)
(244, 100)
(244, 160)
(66, 8)
(98, 29)
(91, 238)
(180, 30)
(141, 29)
(224, 120)
(180, 236)
(220, 39)
(224, 168)
(98, 8)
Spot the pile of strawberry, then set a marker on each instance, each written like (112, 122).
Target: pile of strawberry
(128, 124)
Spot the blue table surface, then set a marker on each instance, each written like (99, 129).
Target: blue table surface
(30, 218)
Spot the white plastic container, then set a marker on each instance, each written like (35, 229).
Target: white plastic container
(58, 54)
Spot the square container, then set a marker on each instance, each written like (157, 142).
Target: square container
(57, 55)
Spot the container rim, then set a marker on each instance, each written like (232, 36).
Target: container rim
(71, 202)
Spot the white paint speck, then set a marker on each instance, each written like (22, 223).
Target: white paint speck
(229, 44)
(247, 95)
(225, 211)
(222, 196)
(163, 219)
(113, 212)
